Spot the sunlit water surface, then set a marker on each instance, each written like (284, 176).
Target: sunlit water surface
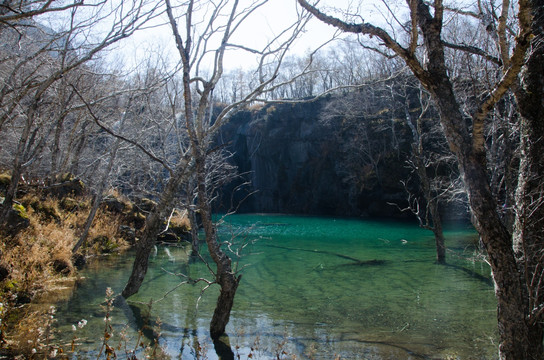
(303, 295)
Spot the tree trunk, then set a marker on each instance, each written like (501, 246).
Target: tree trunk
(221, 315)
(225, 277)
(514, 333)
(432, 205)
(195, 241)
(55, 148)
(10, 194)
(228, 282)
(17, 168)
(519, 337)
(515, 337)
(529, 224)
(438, 232)
(469, 148)
(139, 268)
(431, 199)
(97, 199)
(153, 225)
(73, 168)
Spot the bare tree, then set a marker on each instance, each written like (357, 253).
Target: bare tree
(519, 337)
(203, 32)
(433, 164)
(38, 57)
(103, 182)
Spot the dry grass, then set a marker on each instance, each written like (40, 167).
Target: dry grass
(39, 258)
(105, 228)
(180, 220)
(34, 334)
(256, 106)
(35, 252)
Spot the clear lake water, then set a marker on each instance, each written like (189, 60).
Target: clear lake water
(312, 288)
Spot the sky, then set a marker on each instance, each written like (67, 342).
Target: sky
(258, 29)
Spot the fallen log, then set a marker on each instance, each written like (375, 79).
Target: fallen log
(355, 260)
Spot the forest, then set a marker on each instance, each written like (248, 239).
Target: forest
(425, 111)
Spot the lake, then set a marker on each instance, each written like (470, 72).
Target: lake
(312, 287)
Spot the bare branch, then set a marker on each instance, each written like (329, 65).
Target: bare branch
(112, 133)
(516, 61)
(474, 50)
(8, 14)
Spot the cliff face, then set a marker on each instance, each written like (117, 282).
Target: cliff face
(295, 162)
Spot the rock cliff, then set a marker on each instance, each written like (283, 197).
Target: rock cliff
(298, 160)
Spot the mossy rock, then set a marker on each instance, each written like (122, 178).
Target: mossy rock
(21, 210)
(69, 204)
(103, 244)
(79, 260)
(128, 234)
(23, 298)
(4, 271)
(5, 181)
(46, 211)
(179, 230)
(65, 177)
(62, 266)
(175, 234)
(17, 220)
(136, 218)
(114, 205)
(168, 236)
(146, 205)
(10, 286)
(67, 185)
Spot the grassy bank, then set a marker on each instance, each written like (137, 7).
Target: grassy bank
(37, 262)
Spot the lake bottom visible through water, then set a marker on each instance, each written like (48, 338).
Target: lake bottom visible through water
(312, 288)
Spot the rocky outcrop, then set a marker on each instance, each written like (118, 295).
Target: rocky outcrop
(297, 163)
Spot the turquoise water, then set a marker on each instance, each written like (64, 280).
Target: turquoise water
(313, 288)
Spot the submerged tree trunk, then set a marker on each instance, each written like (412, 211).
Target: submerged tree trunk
(435, 223)
(193, 221)
(440, 241)
(432, 200)
(225, 301)
(153, 226)
(143, 249)
(225, 277)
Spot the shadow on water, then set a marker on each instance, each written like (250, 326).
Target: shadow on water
(374, 262)
(473, 274)
(138, 318)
